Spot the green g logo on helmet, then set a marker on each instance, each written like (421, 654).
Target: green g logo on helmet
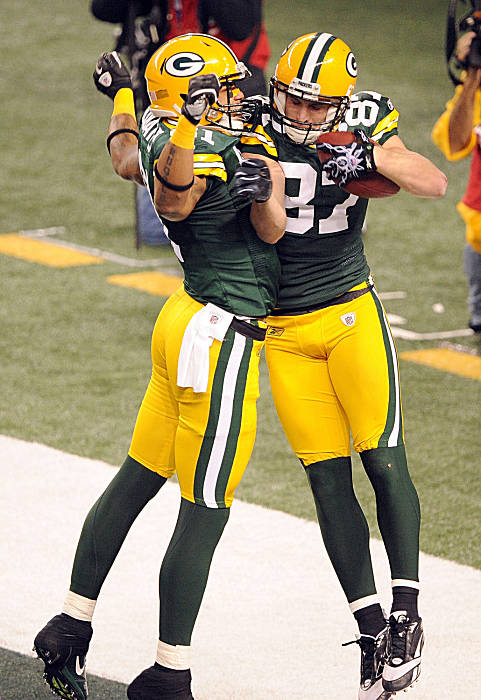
(184, 65)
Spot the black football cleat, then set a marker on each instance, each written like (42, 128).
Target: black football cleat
(62, 645)
(404, 647)
(158, 683)
(373, 654)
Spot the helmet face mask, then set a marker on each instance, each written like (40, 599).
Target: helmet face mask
(171, 67)
(316, 68)
(227, 112)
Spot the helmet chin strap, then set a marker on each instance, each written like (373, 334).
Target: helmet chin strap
(296, 133)
(303, 136)
(231, 123)
(225, 120)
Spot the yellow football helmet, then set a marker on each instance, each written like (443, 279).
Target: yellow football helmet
(171, 67)
(317, 67)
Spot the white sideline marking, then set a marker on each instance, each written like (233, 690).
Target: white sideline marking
(406, 334)
(273, 617)
(47, 233)
(394, 319)
(385, 296)
(42, 232)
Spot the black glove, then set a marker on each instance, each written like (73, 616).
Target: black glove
(252, 108)
(110, 74)
(352, 161)
(203, 92)
(252, 181)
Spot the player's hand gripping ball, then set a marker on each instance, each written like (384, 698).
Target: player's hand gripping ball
(349, 162)
(110, 74)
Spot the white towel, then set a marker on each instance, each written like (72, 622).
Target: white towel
(193, 365)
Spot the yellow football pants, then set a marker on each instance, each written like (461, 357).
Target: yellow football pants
(206, 438)
(334, 372)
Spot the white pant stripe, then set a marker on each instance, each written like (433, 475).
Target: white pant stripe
(394, 435)
(224, 422)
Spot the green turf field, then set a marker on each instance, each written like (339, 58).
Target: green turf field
(74, 349)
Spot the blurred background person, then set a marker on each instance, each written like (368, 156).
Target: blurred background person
(457, 133)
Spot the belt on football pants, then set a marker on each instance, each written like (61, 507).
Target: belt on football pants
(341, 299)
(248, 330)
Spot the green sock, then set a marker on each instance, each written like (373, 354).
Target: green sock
(398, 512)
(343, 525)
(108, 523)
(185, 569)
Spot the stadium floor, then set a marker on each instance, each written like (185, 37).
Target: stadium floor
(21, 674)
(273, 617)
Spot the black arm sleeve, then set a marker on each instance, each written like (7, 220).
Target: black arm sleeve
(236, 18)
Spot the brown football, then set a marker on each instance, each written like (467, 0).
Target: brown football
(370, 186)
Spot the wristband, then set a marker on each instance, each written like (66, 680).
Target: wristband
(120, 131)
(124, 102)
(169, 185)
(184, 134)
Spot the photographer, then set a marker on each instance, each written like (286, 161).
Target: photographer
(238, 23)
(458, 134)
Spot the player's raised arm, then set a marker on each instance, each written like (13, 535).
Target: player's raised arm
(177, 190)
(112, 78)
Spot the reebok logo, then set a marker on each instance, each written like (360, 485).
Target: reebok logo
(272, 330)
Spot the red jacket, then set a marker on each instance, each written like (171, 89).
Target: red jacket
(182, 17)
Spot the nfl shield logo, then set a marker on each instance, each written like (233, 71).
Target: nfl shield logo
(349, 319)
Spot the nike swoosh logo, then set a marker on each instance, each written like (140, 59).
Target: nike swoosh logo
(392, 673)
(78, 668)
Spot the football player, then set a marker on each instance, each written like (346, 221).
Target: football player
(198, 416)
(331, 357)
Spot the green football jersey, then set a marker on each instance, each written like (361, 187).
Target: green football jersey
(224, 261)
(321, 252)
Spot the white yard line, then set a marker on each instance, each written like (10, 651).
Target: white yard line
(167, 265)
(386, 296)
(406, 334)
(273, 617)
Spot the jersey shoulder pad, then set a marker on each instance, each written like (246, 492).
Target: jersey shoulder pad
(153, 132)
(258, 137)
(213, 140)
(374, 114)
(215, 153)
